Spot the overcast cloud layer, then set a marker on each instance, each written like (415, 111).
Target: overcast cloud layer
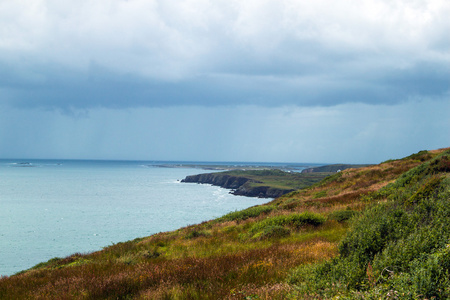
(106, 59)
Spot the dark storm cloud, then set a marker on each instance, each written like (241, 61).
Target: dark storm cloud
(270, 53)
(63, 88)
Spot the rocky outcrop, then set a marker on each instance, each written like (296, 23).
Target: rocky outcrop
(218, 179)
(239, 185)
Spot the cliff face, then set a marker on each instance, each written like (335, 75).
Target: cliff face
(238, 184)
(218, 179)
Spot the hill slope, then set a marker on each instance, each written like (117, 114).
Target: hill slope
(373, 232)
(332, 168)
(399, 248)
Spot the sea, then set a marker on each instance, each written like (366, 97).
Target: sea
(55, 208)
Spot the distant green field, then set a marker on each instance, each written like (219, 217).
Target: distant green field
(279, 179)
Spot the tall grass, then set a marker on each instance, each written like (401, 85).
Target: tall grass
(208, 278)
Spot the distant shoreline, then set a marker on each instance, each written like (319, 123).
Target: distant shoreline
(224, 167)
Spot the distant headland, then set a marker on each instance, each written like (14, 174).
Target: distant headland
(264, 182)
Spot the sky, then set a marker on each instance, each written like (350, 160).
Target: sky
(200, 80)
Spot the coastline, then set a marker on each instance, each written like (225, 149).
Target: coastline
(82, 207)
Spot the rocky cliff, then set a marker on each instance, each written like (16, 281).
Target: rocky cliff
(239, 185)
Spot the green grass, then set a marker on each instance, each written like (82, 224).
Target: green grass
(245, 214)
(342, 215)
(292, 220)
(279, 179)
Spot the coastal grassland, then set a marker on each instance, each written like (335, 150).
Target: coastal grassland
(360, 233)
(266, 183)
(279, 179)
(218, 264)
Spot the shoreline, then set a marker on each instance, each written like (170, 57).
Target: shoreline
(232, 167)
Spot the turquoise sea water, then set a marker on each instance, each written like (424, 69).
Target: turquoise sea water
(51, 208)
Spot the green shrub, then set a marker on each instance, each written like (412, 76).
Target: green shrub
(397, 246)
(430, 277)
(426, 190)
(149, 254)
(292, 220)
(421, 155)
(441, 164)
(280, 226)
(320, 194)
(192, 234)
(272, 231)
(342, 215)
(331, 178)
(251, 212)
(50, 263)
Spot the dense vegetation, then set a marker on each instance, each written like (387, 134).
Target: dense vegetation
(400, 247)
(376, 232)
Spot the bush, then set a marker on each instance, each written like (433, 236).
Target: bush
(342, 215)
(430, 277)
(195, 234)
(320, 194)
(251, 212)
(292, 220)
(397, 246)
(280, 226)
(421, 155)
(272, 231)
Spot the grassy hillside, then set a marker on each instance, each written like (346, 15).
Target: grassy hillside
(375, 232)
(279, 179)
(333, 168)
(399, 248)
